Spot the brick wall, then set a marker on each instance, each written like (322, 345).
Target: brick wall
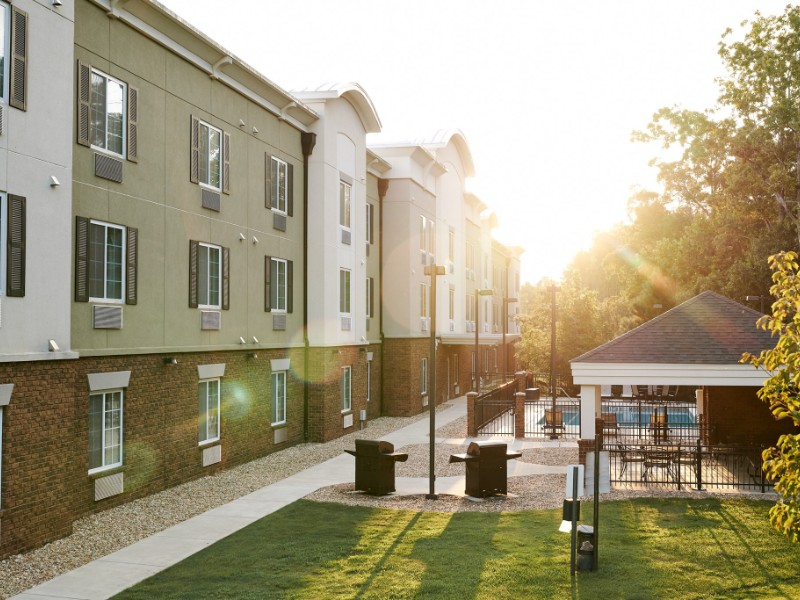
(46, 485)
(736, 415)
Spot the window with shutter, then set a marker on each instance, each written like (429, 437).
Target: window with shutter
(106, 262)
(209, 275)
(103, 103)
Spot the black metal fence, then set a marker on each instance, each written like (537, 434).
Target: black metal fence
(494, 409)
(631, 422)
(686, 467)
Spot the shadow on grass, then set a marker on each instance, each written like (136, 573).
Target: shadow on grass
(649, 548)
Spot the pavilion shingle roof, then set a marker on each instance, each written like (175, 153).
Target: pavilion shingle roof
(707, 329)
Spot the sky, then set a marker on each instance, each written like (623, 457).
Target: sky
(546, 92)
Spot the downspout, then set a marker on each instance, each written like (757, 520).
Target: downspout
(307, 141)
(383, 186)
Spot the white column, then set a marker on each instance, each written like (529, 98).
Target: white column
(590, 409)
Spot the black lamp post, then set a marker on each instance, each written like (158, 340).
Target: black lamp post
(478, 294)
(432, 271)
(553, 289)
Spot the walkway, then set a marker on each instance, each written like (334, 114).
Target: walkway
(107, 576)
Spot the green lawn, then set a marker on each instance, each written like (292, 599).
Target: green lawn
(649, 548)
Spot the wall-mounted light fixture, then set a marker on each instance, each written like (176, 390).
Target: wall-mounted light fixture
(54, 182)
(56, 2)
(252, 355)
(53, 346)
(255, 130)
(255, 240)
(255, 340)
(241, 123)
(242, 237)
(170, 360)
(241, 340)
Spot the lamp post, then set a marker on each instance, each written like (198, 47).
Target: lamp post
(478, 294)
(553, 289)
(759, 298)
(433, 271)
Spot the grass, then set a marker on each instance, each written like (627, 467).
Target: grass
(649, 548)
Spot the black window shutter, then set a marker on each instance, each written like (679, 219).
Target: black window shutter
(269, 200)
(226, 275)
(193, 279)
(194, 158)
(289, 286)
(15, 267)
(84, 98)
(290, 189)
(267, 278)
(81, 259)
(226, 162)
(133, 124)
(19, 51)
(131, 265)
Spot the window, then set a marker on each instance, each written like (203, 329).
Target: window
(474, 363)
(12, 245)
(106, 261)
(470, 262)
(345, 191)
(424, 376)
(107, 113)
(423, 300)
(107, 110)
(279, 397)
(485, 360)
(279, 185)
(209, 279)
(344, 291)
(451, 306)
(369, 381)
(210, 156)
(369, 223)
(370, 302)
(346, 390)
(451, 246)
(423, 238)
(105, 430)
(278, 284)
(208, 411)
(13, 55)
(427, 236)
(209, 275)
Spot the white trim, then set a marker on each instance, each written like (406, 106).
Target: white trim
(274, 401)
(108, 381)
(281, 163)
(280, 364)
(201, 284)
(105, 393)
(213, 438)
(274, 282)
(124, 85)
(6, 390)
(123, 264)
(211, 371)
(673, 374)
(207, 157)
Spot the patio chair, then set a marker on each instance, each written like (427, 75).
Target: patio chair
(658, 427)
(553, 420)
(610, 425)
(628, 455)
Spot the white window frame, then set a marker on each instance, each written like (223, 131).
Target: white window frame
(451, 246)
(423, 300)
(347, 389)
(345, 204)
(5, 11)
(105, 429)
(278, 302)
(124, 252)
(212, 434)
(205, 286)
(345, 283)
(451, 306)
(424, 386)
(278, 407)
(3, 241)
(124, 137)
(204, 155)
(280, 181)
(423, 234)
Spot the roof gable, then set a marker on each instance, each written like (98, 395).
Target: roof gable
(707, 329)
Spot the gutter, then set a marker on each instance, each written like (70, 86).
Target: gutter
(307, 141)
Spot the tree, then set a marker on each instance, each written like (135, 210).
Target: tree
(782, 391)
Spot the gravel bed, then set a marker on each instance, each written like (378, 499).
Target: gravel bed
(95, 536)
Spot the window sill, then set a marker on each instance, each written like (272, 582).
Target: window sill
(109, 153)
(281, 425)
(105, 471)
(206, 443)
(347, 411)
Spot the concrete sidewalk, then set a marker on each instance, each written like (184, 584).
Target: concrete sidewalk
(107, 576)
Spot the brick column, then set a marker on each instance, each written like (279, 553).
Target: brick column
(471, 397)
(519, 415)
(584, 447)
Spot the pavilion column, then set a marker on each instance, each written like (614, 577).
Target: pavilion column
(590, 410)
